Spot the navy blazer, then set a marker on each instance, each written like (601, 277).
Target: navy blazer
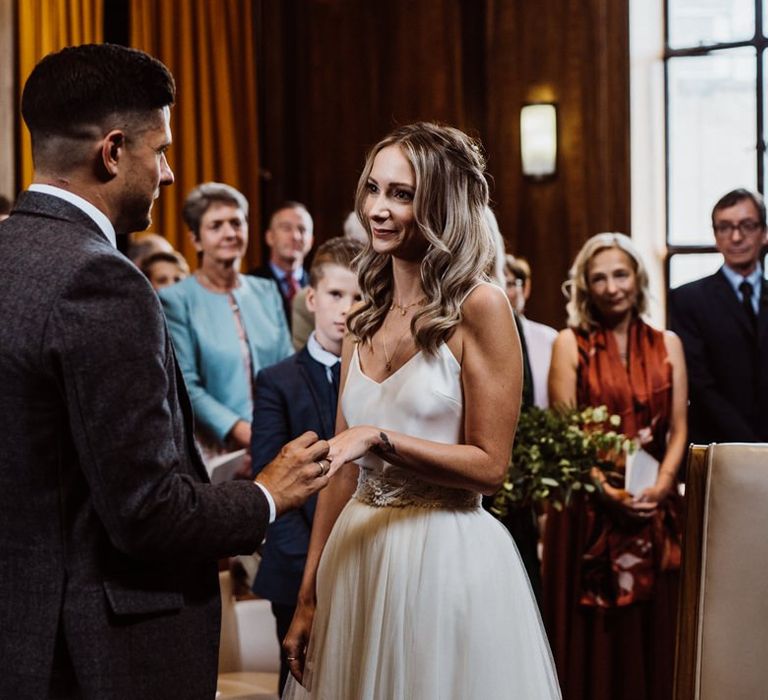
(290, 398)
(727, 361)
(266, 272)
(109, 534)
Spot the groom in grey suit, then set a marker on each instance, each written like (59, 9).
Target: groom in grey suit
(109, 531)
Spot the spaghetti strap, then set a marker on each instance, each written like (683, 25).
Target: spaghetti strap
(472, 289)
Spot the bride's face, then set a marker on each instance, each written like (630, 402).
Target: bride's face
(389, 206)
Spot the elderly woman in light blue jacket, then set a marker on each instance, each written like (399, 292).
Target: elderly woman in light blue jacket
(225, 326)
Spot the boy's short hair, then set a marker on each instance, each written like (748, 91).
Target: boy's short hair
(335, 251)
(174, 258)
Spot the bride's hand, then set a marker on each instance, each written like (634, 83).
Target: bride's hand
(352, 444)
(297, 638)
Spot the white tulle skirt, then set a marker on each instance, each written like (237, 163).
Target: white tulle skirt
(421, 603)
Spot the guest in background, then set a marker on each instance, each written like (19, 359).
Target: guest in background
(538, 338)
(296, 395)
(164, 269)
(289, 238)
(302, 321)
(5, 207)
(519, 521)
(225, 326)
(354, 229)
(610, 561)
(723, 323)
(142, 244)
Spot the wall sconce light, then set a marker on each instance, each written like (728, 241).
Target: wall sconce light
(538, 140)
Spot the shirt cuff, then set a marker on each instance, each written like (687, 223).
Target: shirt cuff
(270, 500)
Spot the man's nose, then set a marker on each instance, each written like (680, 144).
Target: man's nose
(166, 174)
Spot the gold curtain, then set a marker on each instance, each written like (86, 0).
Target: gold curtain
(209, 47)
(46, 26)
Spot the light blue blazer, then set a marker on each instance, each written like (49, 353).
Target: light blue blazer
(205, 338)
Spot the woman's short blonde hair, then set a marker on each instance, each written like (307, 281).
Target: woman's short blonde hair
(582, 312)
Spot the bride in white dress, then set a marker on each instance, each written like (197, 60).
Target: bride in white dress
(411, 591)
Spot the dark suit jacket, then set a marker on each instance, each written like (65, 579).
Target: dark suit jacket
(291, 397)
(266, 272)
(727, 361)
(109, 534)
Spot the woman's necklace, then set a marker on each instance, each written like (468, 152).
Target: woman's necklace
(403, 309)
(388, 359)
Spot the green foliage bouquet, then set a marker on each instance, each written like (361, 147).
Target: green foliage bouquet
(554, 453)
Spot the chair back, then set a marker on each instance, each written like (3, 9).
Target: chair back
(722, 640)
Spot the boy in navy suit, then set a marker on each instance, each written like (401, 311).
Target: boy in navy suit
(291, 397)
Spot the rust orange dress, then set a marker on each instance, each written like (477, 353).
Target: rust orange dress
(610, 583)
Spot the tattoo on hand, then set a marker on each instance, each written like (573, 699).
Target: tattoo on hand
(386, 448)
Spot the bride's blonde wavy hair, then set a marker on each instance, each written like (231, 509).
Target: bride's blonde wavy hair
(449, 203)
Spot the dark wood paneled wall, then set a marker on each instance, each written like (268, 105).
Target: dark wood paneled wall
(336, 75)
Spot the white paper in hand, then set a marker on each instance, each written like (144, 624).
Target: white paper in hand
(224, 467)
(641, 472)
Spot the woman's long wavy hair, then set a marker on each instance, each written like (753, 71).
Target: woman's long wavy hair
(582, 312)
(449, 204)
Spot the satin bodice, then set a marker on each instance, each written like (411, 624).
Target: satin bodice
(424, 399)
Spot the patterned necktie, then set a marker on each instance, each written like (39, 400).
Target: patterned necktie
(746, 301)
(292, 286)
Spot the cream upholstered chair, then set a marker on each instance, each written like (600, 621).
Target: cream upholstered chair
(722, 641)
(249, 656)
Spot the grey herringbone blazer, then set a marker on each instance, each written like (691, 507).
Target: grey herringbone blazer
(108, 532)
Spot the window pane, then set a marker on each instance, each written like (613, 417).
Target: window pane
(697, 22)
(712, 137)
(686, 267)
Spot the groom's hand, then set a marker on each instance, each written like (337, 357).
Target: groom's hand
(297, 472)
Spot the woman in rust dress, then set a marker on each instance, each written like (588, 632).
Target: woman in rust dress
(611, 560)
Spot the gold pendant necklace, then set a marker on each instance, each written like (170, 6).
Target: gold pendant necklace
(388, 359)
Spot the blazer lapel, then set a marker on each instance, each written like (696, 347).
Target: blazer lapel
(731, 304)
(313, 374)
(762, 314)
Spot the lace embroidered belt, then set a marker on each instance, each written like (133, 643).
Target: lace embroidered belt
(377, 489)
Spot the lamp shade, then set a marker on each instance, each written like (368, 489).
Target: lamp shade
(538, 139)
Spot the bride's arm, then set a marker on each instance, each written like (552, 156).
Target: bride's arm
(491, 374)
(330, 502)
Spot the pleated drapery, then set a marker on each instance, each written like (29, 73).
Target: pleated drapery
(46, 26)
(210, 49)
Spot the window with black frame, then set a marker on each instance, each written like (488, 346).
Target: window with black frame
(715, 67)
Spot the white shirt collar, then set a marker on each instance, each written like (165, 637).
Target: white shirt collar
(317, 352)
(85, 206)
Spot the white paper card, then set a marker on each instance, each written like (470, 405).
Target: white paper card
(224, 467)
(641, 472)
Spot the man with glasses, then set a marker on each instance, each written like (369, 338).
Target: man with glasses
(723, 323)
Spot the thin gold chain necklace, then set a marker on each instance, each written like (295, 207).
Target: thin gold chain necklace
(403, 309)
(388, 359)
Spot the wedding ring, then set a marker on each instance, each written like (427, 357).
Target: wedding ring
(291, 658)
(324, 465)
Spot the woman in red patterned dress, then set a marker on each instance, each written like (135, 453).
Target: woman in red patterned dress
(611, 560)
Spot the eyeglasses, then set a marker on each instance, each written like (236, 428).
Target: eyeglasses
(747, 227)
